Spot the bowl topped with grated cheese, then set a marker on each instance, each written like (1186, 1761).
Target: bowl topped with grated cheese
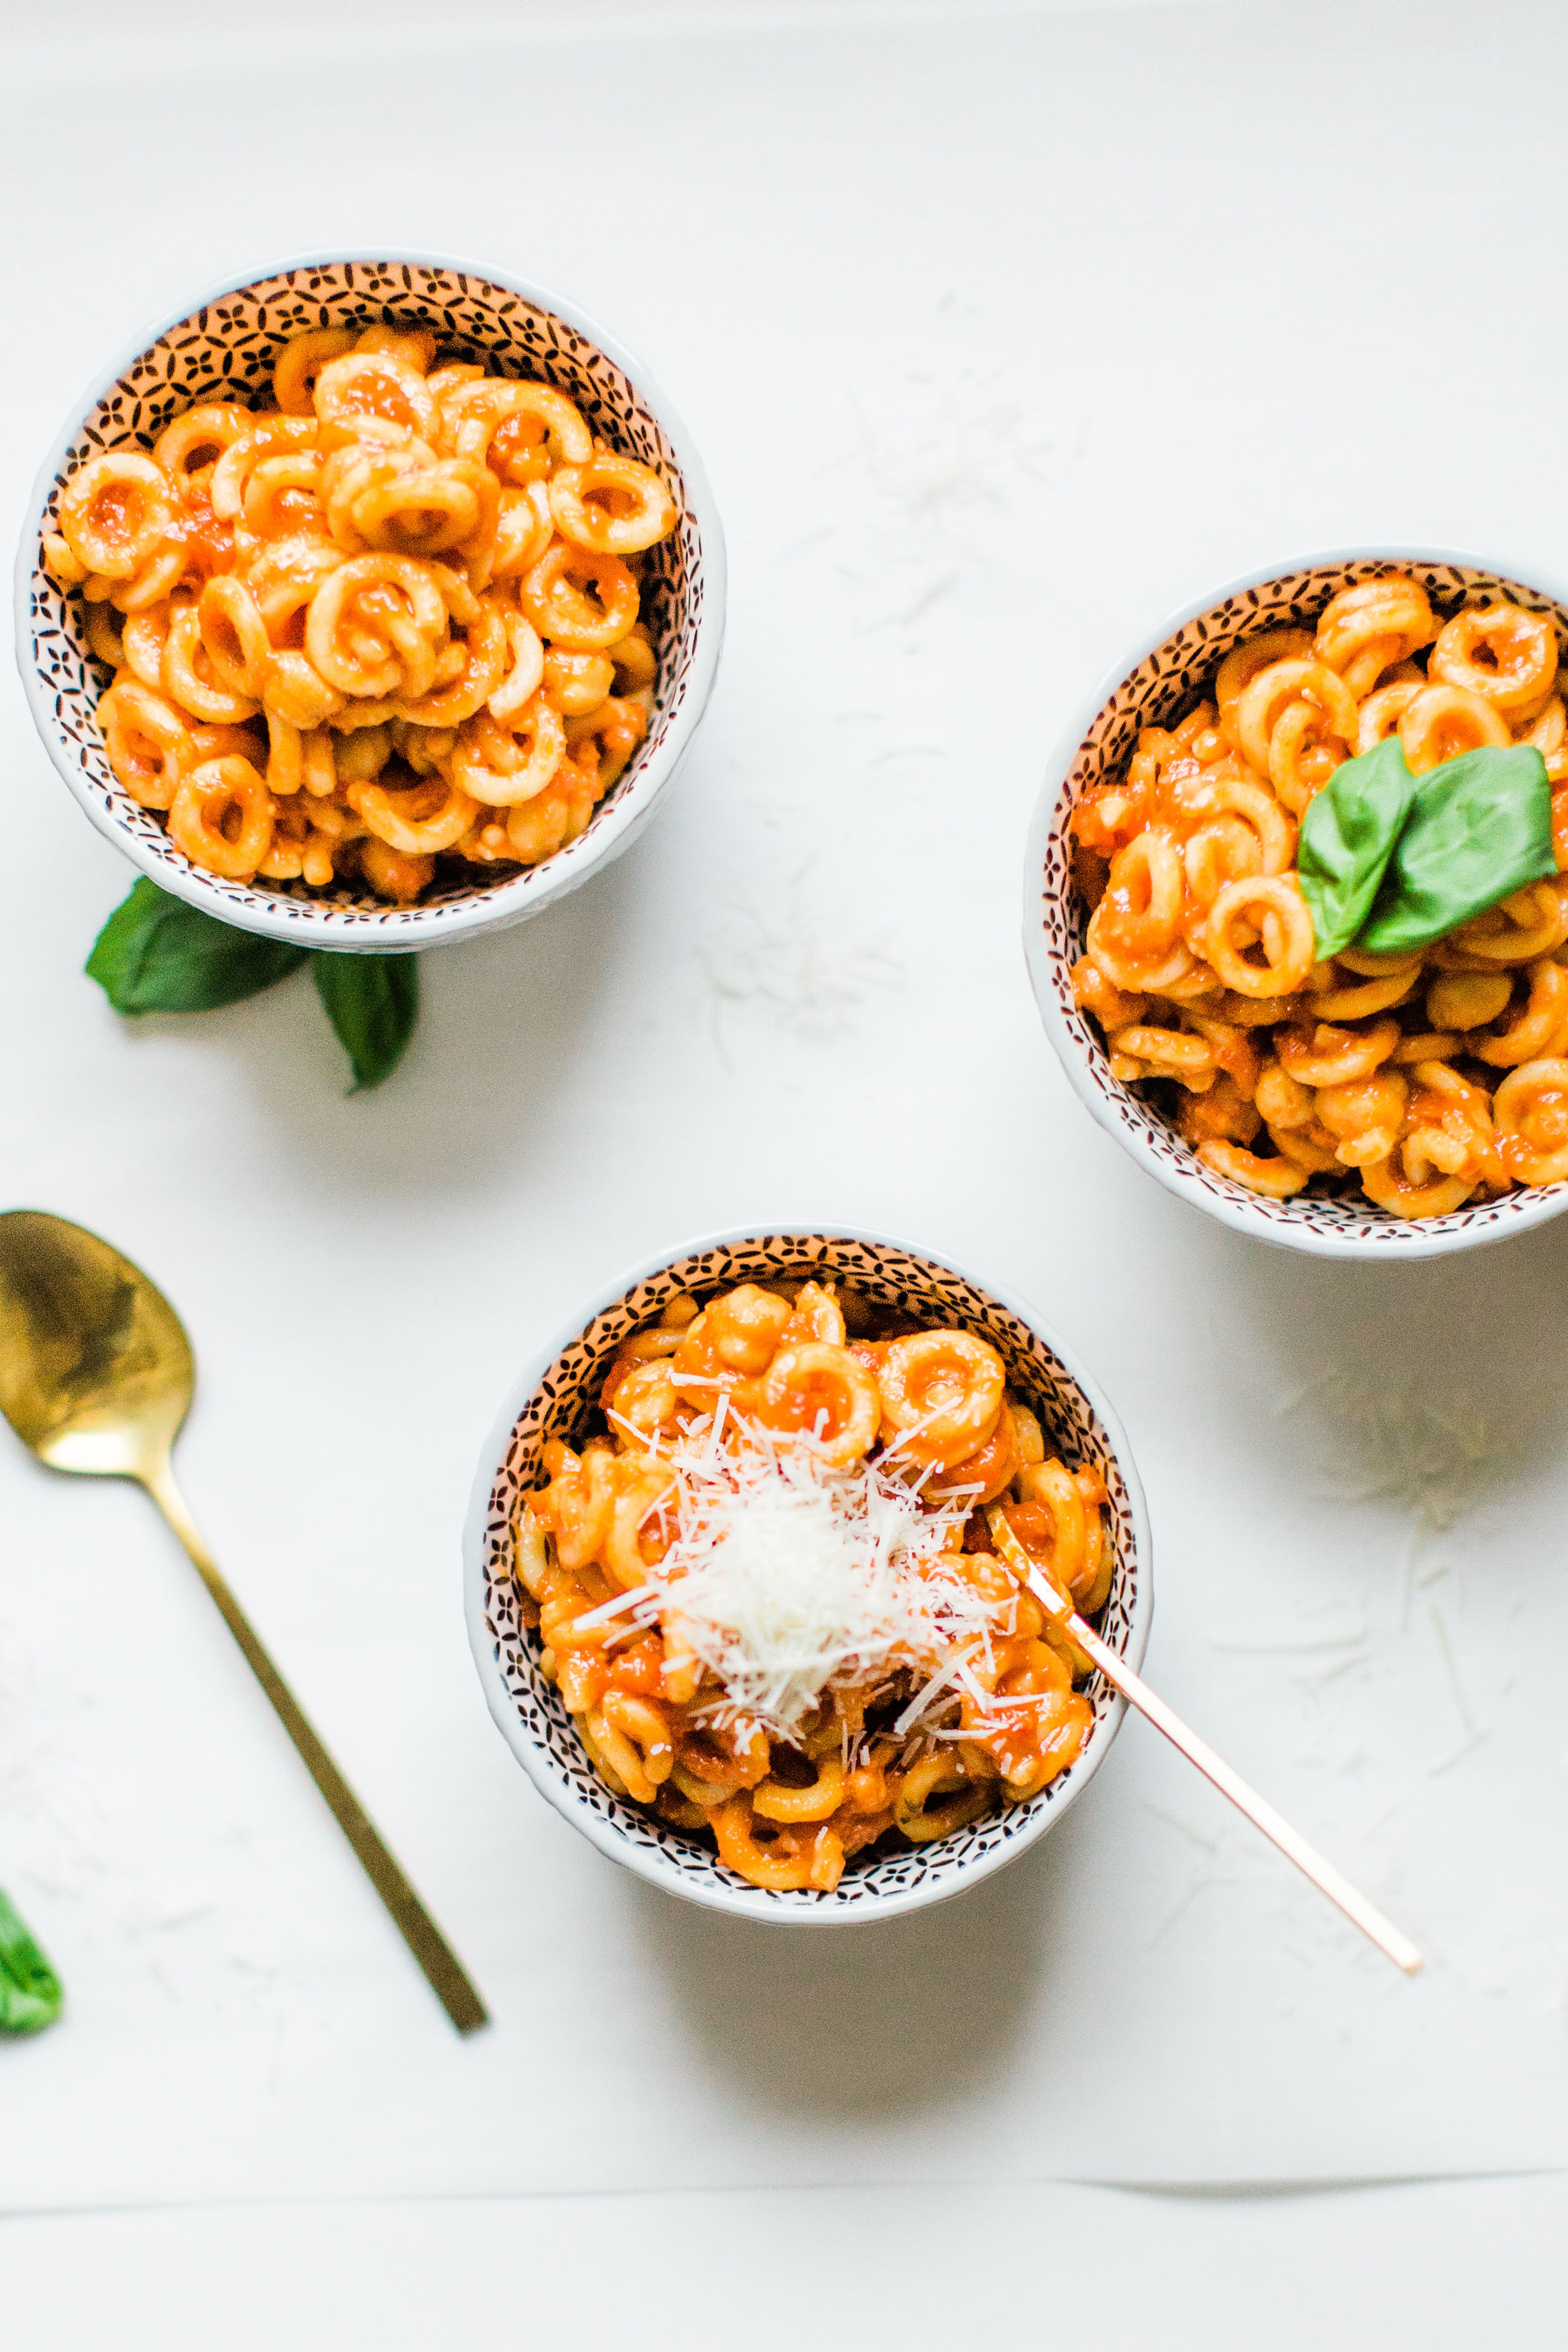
(747, 1566)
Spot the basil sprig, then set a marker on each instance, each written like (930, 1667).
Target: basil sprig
(30, 1995)
(1392, 861)
(155, 954)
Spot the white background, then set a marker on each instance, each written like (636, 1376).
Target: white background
(1002, 331)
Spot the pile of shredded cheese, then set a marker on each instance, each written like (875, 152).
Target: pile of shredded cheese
(788, 1578)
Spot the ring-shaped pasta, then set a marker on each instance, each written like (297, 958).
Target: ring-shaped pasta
(484, 656)
(611, 505)
(1381, 713)
(422, 818)
(234, 637)
(777, 1801)
(525, 672)
(265, 436)
(524, 529)
(116, 513)
(299, 365)
(1366, 629)
(143, 638)
(1521, 650)
(1290, 949)
(426, 509)
(1541, 1028)
(146, 740)
(222, 818)
(363, 391)
(1242, 664)
(520, 429)
(369, 648)
(577, 683)
(1143, 902)
(636, 1737)
(1532, 923)
(182, 683)
(1226, 851)
(1162, 970)
(1277, 1180)
(611, 734)
(919, 1809)
(1369, 996)
(798, 1855)
(1270, 693)
(1235, 796)
(579, 600)
(941, 1394)
(504, 766)
(537, 828)
(1302, 756)
(1329, 1056)
(203, 434)
(297, 692)
(154, 581)
(821, 1388)
(281, 494)
(983, 1475)
(1442, 721)
(1386, 1183)
(636, 662)
(1530, 1109)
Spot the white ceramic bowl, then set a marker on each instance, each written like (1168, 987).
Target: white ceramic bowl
(224, 346)
(555, 1393)
(1156, 685)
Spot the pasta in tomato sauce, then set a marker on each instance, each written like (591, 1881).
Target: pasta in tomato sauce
(386, 625)
(783, 1592)
(1429, 1078)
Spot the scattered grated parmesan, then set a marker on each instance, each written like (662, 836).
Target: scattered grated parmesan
(790, 1577)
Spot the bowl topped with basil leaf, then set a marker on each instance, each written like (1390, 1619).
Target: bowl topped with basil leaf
(1294, 911)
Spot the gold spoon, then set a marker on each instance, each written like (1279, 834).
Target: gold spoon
(96, 1376)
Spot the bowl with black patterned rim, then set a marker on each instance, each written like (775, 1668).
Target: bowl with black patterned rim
(224, 346)
(556, 1396)
(1164, 678)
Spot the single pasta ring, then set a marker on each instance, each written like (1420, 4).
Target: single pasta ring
(146, 740)
(116, 514)
(222, 818)
(183, 682)
(1441, 721)
(1531, 923)
(1385, 1183)
(1142, 901)
(1242, 664)
(1229, 795)
(421, 818)
(282, 493)
(1277, 1180)
(577, 683)
(1521, 650)
(1326, 1056)
(363, 391)
(1530, 1109)
(373, 648)
(234, 637)
(299, 365)
(612, 505)
(821, 1388)
(524, 529)
(156, 579)
(612, 734)
(1290, 949)
(426, 509)
(939, 1794)
(190, 448)
(521, 429)
(579, 600)
(526, 674)
(1381, 713)
(778, 1800)
(504, 766)
(1364, 1116)
(1541, 1028)
(1136, 975)
(1271, 693)
(941, 1394)
(484, 656)
(267, 437)
(1366, 629)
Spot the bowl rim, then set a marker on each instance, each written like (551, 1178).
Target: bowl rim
(1400, 1240)
(648, 1862)
(344, 930)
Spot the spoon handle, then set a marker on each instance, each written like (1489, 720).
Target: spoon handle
(441, 1965)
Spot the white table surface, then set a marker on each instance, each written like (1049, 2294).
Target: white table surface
(1002, 330)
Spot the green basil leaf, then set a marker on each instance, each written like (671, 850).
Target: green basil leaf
(1479, 828)
(1348, 836)
(372, 1003)
(30, 1995)
(155, 954)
